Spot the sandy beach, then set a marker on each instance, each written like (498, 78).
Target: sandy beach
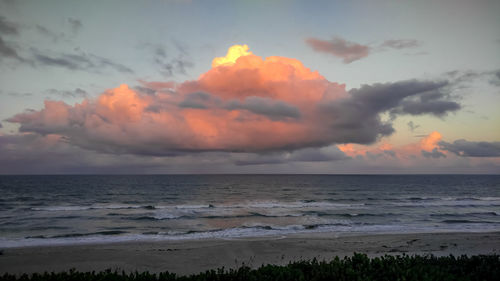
(186, 257)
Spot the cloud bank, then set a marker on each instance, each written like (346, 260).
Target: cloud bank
(466, 148)
(244, 103)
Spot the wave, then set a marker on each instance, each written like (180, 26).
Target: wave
(107, 232)
(350, 215)
(300, 204)
(91, 207)
(158, 217)
(469, 221)
(255, 205)
(257, 230)
(449, 203)
(466, 214)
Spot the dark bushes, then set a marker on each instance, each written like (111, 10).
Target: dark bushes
(357, 267)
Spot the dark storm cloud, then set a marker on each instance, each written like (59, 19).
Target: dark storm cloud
(472, 149)
(348, 51)
(79, 61)
(438, 107)
(436, 101)
(7, 27)
(357, 118)
(275, 110)
(400, 43)
(435, 153)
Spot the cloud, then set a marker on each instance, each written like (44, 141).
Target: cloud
(145, 90)
(7, 27)
(51, 154)
(435, 153)
(472, 149)
(75, 24)
(8, 51)
(427, 147)
(325, 154)
(412, 126)
(412, 97)
(351, 51)
(358, 116)
(495, 80)
(438, 107)
(67, 35)
(400, 44)
(198, 100)
(49, 34)
(348, 51)
(246, 105)
(16, 94)
(78, 61)
(170, 66)
(463, 78)
(76, 93)
(275, 110)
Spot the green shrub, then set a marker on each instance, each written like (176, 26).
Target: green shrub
(357, 267)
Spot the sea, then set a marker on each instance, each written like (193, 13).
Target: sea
(70, 209)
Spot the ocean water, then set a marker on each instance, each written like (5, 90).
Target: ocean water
(55, 210)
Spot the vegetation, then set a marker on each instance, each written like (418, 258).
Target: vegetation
(357, 267)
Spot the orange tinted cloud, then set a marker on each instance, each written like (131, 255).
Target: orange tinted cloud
(427, 147)
(430, 142)
(244, 103)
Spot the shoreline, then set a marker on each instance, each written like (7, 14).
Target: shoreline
(91, 240)
(193, 256)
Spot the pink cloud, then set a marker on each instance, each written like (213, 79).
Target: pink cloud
(427, 146)
(244, 103)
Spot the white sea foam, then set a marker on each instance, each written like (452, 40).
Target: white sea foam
(89, 207)
(449, 202)
(257, 230)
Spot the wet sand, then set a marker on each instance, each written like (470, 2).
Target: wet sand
(186, 257)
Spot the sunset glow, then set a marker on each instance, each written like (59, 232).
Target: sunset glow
(208, 93)
(233, 53)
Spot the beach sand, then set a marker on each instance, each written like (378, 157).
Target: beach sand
(187, 257)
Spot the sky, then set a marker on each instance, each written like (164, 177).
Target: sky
(173, 86)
